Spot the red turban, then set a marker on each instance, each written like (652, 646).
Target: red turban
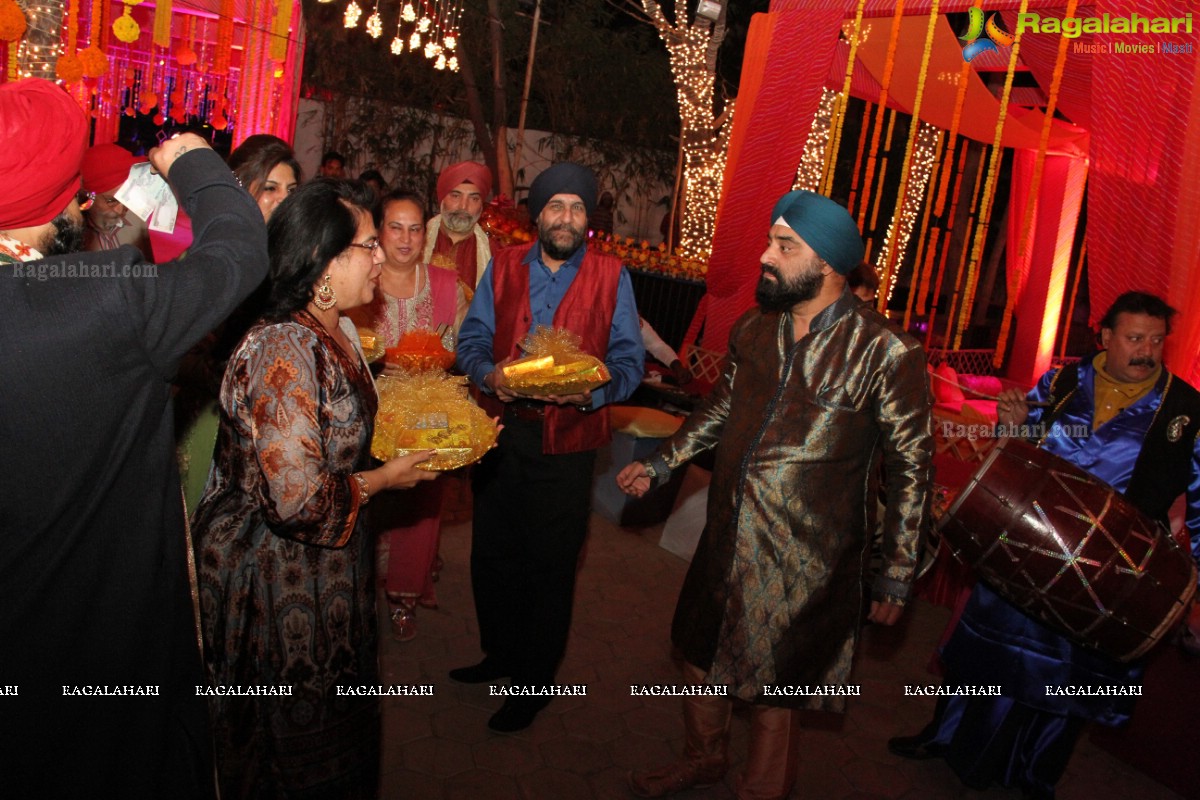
(105, 167)
(43, 133)
(464, 172)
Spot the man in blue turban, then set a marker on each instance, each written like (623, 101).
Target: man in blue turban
(816, 389)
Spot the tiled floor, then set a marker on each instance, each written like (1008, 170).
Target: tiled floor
(582, 747)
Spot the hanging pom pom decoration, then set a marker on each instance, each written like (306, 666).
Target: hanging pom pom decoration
(95, 63)
(68, 67)
(12, 21)
(126, 28)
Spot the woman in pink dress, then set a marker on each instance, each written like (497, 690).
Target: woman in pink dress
(413, 296)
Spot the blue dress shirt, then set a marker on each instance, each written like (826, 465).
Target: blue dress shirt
(626, 355)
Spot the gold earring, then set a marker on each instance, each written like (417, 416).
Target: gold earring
(324, 298)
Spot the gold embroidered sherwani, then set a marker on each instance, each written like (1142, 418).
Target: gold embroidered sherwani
(774, 595)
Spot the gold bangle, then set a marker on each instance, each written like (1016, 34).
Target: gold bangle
(364, 489)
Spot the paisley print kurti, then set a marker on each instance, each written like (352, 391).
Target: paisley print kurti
(774, 595)
(286, 569)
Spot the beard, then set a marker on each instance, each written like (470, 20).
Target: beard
(67, 236)
(458, 221)
(559, 252)
(782, 294)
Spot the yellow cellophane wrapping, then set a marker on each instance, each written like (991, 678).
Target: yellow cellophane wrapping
(569, 370)
(430, 410)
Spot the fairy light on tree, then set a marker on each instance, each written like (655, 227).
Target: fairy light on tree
(353, 12)
(812, 163)
(38, 51)
(924, 155)
(704, 134)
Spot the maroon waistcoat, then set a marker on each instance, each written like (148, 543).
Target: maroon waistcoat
(586, 309)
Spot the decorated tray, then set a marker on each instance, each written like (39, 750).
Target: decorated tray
(430, 411)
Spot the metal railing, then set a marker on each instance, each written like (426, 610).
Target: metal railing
(964, 362)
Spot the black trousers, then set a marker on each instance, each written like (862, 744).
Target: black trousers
(530, 521)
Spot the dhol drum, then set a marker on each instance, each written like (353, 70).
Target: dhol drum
(1070, 551)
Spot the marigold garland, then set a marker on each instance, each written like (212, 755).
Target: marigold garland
(185, 51)
(972, 224)
(279, 31)
(885, 81)
(989, 191)
(12, 23)
(162, 23)
(887, 277)
(839, 109)
(224, 38)
(1035, 185)
(1062, 350)
(920, 262)
(947, 225)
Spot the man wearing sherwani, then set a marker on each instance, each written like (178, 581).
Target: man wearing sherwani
(815, 392)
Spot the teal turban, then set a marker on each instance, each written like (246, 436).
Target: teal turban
(824, 225)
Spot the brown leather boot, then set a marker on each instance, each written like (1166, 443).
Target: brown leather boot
(676, 777)
(706, 748)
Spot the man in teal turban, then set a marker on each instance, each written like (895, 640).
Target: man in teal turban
(815, 390)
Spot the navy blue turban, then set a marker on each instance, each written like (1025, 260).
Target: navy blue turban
(562, 178)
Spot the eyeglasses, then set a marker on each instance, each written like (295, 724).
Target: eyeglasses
(85, 199)
(369, 245)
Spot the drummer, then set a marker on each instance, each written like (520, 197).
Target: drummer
(1122, 417)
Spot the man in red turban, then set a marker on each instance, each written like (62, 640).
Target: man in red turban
(44, 133)
(96, 619)
(454, 237)
(105, 168)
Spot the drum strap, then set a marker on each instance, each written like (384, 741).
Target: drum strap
(1062, 386)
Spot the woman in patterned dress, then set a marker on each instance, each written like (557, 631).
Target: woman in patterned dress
(285, 565)
(412, 296)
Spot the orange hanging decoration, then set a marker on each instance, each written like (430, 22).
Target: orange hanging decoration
(12, 23)
(1035, 184)
(887, 278)
(224, 38)
(838, 115)
(185, 51)
(68, 67)
(989, 189)
(885, 82)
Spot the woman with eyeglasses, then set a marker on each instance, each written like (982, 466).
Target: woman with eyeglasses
(286, 569)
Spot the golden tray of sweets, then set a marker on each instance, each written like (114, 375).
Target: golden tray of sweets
(555, 366)
(430, 411)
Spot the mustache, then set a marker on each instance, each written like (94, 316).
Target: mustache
(768, 269)
(1143, 362)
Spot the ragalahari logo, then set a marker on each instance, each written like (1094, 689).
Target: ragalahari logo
(995, 35)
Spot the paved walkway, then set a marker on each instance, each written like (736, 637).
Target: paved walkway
(582, 747)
